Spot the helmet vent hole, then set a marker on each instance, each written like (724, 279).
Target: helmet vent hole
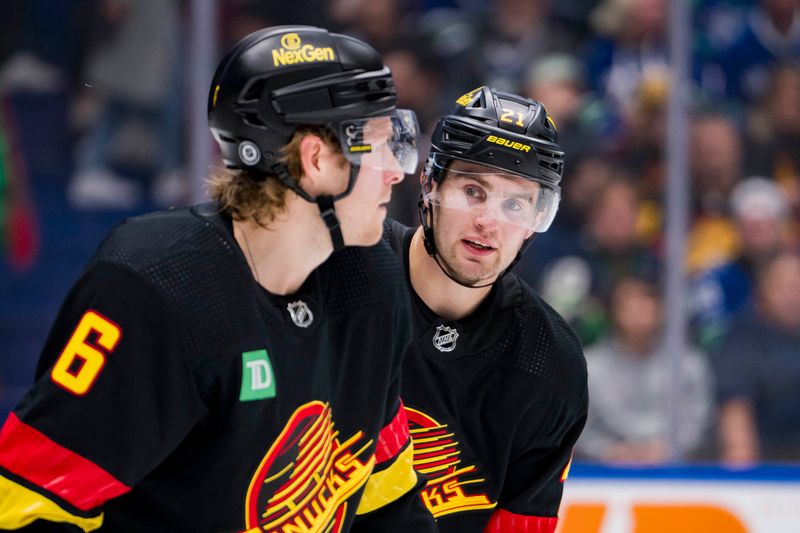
(252, 119)
(253, 92)
(479, 102)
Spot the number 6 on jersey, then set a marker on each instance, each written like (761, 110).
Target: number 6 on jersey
(80, 363)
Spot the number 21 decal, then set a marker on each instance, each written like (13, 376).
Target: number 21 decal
(508, 114)
(80, 362)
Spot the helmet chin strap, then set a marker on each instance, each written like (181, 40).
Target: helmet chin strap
(327, 210)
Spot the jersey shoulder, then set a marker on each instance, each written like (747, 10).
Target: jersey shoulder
(365, 276)
(144, 242)
(539, 341)
(396, 234)
(187, 259)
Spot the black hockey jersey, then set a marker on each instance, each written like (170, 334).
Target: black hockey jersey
(176, 394)
(495, 403)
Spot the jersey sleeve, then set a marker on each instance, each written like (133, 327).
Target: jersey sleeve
(391, 501)
(534, 480)
(114, 396)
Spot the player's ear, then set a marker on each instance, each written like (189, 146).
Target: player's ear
(311, 147)
(325, 170)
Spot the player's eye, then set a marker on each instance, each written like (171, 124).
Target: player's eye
(512, 204)
(473, 192)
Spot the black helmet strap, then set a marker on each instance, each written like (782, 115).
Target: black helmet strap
(325, 202)
(328, 214)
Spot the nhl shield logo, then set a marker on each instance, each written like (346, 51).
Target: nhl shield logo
(445, 338)
(300, 313)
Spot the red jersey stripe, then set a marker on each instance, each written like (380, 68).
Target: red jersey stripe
(503, 521)
(392, 437)
(30, 454)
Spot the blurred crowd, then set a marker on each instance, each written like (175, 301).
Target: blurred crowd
(601, 69)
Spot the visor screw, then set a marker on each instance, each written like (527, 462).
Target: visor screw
(490, 155)
(517, 162)
(249, 153)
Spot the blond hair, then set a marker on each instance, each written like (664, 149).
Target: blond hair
(249, 194)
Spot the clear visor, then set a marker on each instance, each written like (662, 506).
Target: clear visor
(385, 143)
(504, 198)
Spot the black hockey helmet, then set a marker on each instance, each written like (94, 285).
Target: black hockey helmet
(278, 78)
(501, 130)
(505, 132)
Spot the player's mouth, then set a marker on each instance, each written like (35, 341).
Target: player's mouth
(477, 247)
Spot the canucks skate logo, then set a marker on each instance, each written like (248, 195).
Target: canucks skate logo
(306, 479)
(300, 313)
(453, 486)
(445, 338)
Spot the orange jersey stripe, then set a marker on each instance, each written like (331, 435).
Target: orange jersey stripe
(503, 521)
(31, 455)
(392, 437)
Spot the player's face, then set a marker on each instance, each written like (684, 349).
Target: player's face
(474, 224)
(362, 212)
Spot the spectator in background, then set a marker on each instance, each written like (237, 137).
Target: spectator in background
(577, 284)
(771, 34)
(640, 147)
(493, 42)
(760, 214)
(516, 33)
(716, 23)
(417, 81)
(582, 186)
(629, 385)
(382, 23)
(630, 42)
(557, 80)
(758, 371)
(716, 167)
(773, 135)
(134, 77)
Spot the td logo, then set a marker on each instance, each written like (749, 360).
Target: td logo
(258, 380)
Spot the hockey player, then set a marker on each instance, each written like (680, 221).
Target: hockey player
(495, 381)
(232, 367)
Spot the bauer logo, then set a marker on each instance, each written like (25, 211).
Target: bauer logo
(510, 144)
(293, 52)
(258, 379)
